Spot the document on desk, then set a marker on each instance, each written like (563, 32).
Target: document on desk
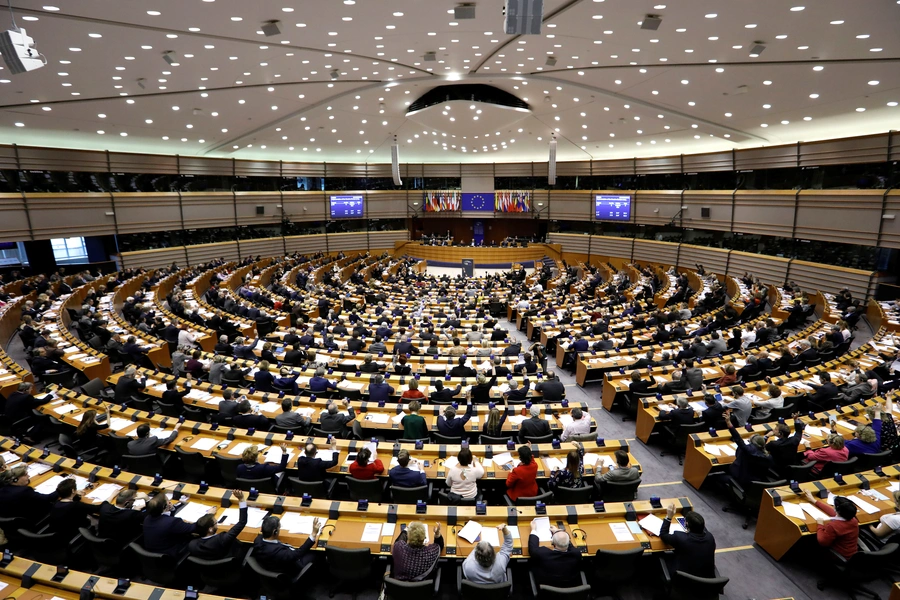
(553, 464)
(651, 523)
(118, 423)
(470, 531)
(325, 455)
(34, 469)
(192, 511)
(868, 508)
(239, 448)
(542, 529)
(204, 444)
(814, 512)
(49, 486)
(793, 510)
(451, 461)
(297, 523)
(387, 530)
(491, 536)
(269, 406)
(9, 458)
(64, 409)
(379, 417)
(620, 530)
(104, 492)
(710, 449)
(274, 454)
(371, 533)
(728, 449)
(500, 459)
(590, 459)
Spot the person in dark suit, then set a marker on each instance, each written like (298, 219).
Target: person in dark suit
(580, 344)
(379, 391)
(404, 346)
(559, 565)
(640, 386)
(533, 427)
(223, 347)
(272, 555)
(551, 389)
(295, 356)
(241, 350)
(146, 443)
(263, 379)
(646, 362)
(517, 394)
(312, 468)
(807, 352)
(694, 551)
(69, 512)
(461, 370)
(369, 365)
(400, 367)
(119, 520)
(173, 396)
(712, 416)
(529, 366)
(354, 344)
(782, 446)
(682, 415)
(451, 425)
(227, 407)
(164, 533)
(250, 467)
(693, 375)
(128, 385)
(402, 475)
(334, 420)
(17, 499)
(823, 396)
(442, 394)
(212, 545)
(749, 370)
(21, 402)
(133, 349)
(291, 337)
(500, 370)
(245, 419)
(678, 384)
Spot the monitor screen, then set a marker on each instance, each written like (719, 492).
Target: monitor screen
(612, 208)
(347, 207)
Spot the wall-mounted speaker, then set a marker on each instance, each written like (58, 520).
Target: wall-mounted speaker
(551, 167)
(260, 210)
(704, 212)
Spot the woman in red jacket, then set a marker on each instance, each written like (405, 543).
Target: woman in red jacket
(361, 468)
(840, 533)
(522, 481)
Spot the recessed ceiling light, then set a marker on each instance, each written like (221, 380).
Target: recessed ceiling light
(20, 124)
(398, 14)
(711, 15)
(659, 6)
(750, 26)
(681, 30)
(153, 13)
(807, 118)
(123, 134)
(74, 49)
(813, 96)
(287, 9)
(863, 36)
(51, 8)
(860, 109)
(892, 104)
(767, 106)
(102, 116)
(781, 37)
(818, 68)
(95, 35)
(194, 29)
(785, 122)
(685, 81)
(720, 70)
(797, 8)
(802, 47)
(875, 49)
(175, 108)
(237, 19)
(874, 82)
(763, 124)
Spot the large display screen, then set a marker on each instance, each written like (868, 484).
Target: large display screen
(347, 207)
(612, 208)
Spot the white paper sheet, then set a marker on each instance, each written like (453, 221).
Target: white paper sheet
(813, 511)
(379, 417)
(865, 506)
(204, 444)
(49, 486)
(452, 461)
(104, 492)
(387, 530)
(651, 523)
(297, 523)
(470, 531)
(727, 450)
(502, 459)
(620, 530)
(793, 510)
(710, 449)
(10, 458)
(35, 469)
(192, 511)
(238, 449)
(65, 408)
(491, 535)
(542, 529)
(371, 533)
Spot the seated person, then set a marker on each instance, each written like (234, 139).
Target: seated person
(889, 523)
(522, 480)
(463, 477)
(245, 419)
(412, 559)
(250, 468)
(694, 552)
(366, 466)
(559, 565)
(763, 408)
(164, 533)
(484, 565)
(683, 414)
(841, 532)
(752, 461)
(212, 545)
(69, 512)
(402, 475)
(311, 467)
(273, 555)
(414, 425)
(833, 451)
(622, 473)
(867, 438)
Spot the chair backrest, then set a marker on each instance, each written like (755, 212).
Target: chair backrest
(546, 498)
(445, 439)
(107, 552)
(365, 489)
(273, 583)
(144, 464)
(754, 491)
(349, 563)
(264, 485)
(228, 468)
(193, 463)
(540, 439)
(415, 441)
(120, 442)
(394, 589)
(93, 387)
(615, 566)
(784, 412)
(566, 495)
(487, 440)
(690, 587)
(157, 567)
(843, 467)
(484, 591)
(584, 437)
(800, 473)
(444, 500)
(875, 459)
(316, 432)
(582, 592)
(620, 491)
(409, 495)
(44, 547)
(218, 573)
(169, 410)
(316, 489)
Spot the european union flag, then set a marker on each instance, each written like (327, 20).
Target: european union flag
(483, 202)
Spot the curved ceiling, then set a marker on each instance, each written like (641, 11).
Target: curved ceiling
(829, 69)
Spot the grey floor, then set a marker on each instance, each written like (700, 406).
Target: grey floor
(752, 573)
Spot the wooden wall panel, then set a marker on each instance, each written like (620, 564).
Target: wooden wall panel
(153, 259)
(201, 165)
(347, 241)
(202, 253)
(302, 169)
(208, 209)
(306, 244)
(714, 260)
(247, 203)
(719, 204)
(386, 239)
(656, 207)
(257, 168)
(570, 242)
(412, 170)
(862, 149)
(575, 205)
(13, 218)
(61, 159)
(623, 166)
(389, 204)
(771, 157)
(345, 170)
(709, 161)
(769, 269)
(513, 169)
(130, 162)
(890, 234)
(764, 212)
(664, 253)
(663, 164)
(147, 211)
(305, 206)
(8, 159)
(845, 216)
(611, 246)
(378, 170)
(825, 278)
(580, 168)
(262, 247)
(66, 215)
(461, 170)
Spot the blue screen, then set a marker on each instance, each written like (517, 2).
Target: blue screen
(612, 208)
(346, 207)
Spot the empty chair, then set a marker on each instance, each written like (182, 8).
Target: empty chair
(749, 497)
(169, 410)
(411, 495)
(157, 567)
(275, 585)
(348, 566)
(445, 439)
(875, 459)
(106, 552)
(620, 491)
(566, 495)
(93, 388)
(487, 440)
(845, 467)
(193, 465)
(616, 567)
(316, 489)
(263, 485)
(223, 574)
(549, 592)
(144, 464)
(44, 547)
(800, 473)
(365, 489)
(540, 439)
(395, 589)
(227, 468)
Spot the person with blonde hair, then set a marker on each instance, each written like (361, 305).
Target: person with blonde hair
(833, 451)
(413, 393)
(413, 559)
(888, 524)
(250, 468)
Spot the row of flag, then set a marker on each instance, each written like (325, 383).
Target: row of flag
(512, 201)
(441, 200)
